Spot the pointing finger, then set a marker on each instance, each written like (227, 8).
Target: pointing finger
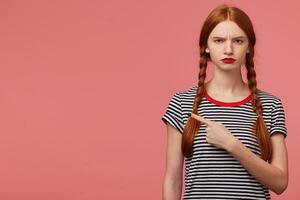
(201, 119)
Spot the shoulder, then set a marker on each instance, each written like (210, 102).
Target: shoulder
(268, 99)
(265, 95)
(187, 93)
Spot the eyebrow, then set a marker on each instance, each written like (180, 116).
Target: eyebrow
(242, 37)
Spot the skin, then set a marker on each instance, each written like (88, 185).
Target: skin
(273, 175)
(227, 85)
(172, 184)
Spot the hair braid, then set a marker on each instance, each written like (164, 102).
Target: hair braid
(259, 127)
(192, 126)
(219, 14)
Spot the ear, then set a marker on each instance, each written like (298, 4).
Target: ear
(207, 50)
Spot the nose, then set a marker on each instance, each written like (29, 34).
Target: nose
(228, 48)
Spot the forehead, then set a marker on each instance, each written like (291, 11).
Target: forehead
(227, 29)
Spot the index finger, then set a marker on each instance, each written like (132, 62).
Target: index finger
(201, 119)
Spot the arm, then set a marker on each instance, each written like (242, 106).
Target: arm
(172, 184)
(273, 175)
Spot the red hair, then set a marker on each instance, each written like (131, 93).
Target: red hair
(217, 15)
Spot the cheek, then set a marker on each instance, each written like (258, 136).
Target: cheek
(241, 50)
(216, 53)
(242, 55)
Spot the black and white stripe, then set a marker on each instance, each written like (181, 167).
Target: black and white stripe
(213, 173)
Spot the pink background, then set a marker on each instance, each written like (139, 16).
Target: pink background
(84, 84)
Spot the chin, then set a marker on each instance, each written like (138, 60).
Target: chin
(228, 67)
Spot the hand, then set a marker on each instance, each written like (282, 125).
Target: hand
(216, 133)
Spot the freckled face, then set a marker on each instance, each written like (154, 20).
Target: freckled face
(227, 39)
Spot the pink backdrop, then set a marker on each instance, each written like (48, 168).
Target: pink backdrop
(84, 84)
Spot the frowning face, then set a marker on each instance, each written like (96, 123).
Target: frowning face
(227, 40)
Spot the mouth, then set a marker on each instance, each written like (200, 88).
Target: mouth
(228, 60)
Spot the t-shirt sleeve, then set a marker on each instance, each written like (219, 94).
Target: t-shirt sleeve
(278, 119)
(173, 113)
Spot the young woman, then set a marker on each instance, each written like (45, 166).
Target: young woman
(231, 133)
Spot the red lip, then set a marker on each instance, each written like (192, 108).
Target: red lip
(228, 60)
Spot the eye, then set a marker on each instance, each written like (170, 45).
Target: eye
(218, 40)
(239, 41)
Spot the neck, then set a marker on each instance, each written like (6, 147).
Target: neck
(227, 83)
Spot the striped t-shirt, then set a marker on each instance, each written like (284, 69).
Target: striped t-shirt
(211, 172)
